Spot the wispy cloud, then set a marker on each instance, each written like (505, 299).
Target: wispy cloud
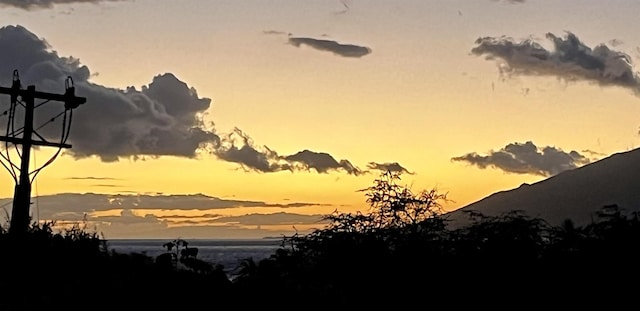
(91, 178)
(275, 32)
(344, 50)
(44, 4)
(134, 222)
(272, 219)
(79, 203)
(527, 158)
(510, 1)
(570, 59)
(128, 217)
(106, 185)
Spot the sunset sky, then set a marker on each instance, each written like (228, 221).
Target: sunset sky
(236, 119)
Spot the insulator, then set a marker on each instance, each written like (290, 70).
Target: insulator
(71, 101)
(15, 86)
(68, 83)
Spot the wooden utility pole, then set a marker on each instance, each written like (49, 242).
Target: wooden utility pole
(22, 191)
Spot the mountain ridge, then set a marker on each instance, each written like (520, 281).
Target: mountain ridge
(575, 194)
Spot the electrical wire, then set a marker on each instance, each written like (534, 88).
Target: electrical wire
(35, 164)
(12, 135)
(66, 127)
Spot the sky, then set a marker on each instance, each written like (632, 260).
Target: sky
(249, 119)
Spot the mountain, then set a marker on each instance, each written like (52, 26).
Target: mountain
(574, 194)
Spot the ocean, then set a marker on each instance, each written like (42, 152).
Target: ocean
(227, 252)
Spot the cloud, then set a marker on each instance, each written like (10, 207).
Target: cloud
(106, 185)
(238, 147)
(281, 218)
(131, 224)
(91, 178)
(52, 206)
(205, 215)
(321, 162)
(275, 32)
(570, 59)
(163, 118)
(388, 166)
(128, 217)
(510, 1)
(43, 4)
(344, 50)
(527, 158)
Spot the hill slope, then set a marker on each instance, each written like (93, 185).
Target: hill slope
(576, 194)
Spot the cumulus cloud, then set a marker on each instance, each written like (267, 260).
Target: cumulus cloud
(344, 50)
(43, 4)
(389, 166)
(238, 147)
(527, 158)
(163, 118)
(570, 59)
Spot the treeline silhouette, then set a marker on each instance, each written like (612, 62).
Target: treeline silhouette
(402, 252)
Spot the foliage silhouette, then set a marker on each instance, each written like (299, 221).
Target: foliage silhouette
(401, 252)
(403, 248)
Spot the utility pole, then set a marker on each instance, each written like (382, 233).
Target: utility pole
(24, 137)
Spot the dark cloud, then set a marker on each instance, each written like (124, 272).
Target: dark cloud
(391, 167)
(43, 4)
(238, 147)
(345, 50)
(570, 59)
(527, 159)
(163, 118)
(321, 162)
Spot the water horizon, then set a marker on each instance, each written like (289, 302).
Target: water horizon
(226, 252)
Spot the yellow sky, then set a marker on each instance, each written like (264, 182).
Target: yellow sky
(419, 98)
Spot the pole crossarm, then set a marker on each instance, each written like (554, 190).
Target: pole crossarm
(21, 141)
(68, 98)
(22, 190)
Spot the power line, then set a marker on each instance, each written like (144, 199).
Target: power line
(24, 136)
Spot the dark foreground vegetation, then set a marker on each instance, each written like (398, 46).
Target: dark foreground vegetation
(401, 253)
